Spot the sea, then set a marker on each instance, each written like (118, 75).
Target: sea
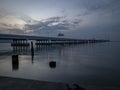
(95, 64)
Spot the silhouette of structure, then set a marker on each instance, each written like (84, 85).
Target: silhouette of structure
(22, 41)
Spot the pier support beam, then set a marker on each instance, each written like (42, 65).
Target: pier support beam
(19, 44)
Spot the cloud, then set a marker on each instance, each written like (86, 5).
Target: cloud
(13, 23)
(17, 23)
(88, 7)
(80, 16)
(53, 24)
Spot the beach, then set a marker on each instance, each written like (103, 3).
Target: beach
(8, 83)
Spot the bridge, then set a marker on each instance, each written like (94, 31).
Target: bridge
(22, 40)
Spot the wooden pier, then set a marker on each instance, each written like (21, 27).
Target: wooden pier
(19, 42)
(67, 42)
(24, 41)
(20, 45)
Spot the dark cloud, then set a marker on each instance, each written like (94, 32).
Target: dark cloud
(96, 6)
(77, 21)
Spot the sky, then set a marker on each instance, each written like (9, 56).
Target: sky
(83, 19)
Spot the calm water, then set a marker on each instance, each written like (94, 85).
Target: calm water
(87, 64)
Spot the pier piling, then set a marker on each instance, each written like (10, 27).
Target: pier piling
(32, 49)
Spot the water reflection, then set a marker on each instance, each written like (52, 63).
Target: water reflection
(52, 52)
(32, 58)
(32, 52)
(84, 64)
(15, 62)
(20, 48)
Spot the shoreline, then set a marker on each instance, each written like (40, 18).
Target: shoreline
(10, 83)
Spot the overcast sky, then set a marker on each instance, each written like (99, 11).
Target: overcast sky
(74, 18)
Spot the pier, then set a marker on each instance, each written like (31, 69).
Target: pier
(24, 41)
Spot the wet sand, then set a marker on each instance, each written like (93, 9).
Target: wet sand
(8, 83)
